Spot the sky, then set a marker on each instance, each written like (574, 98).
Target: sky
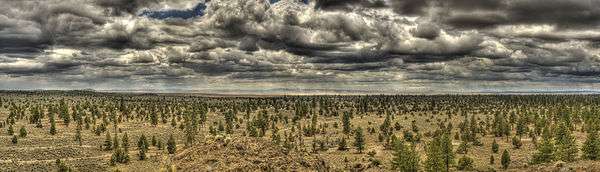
(351, 46)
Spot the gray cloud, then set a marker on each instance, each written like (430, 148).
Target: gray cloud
(325, 43)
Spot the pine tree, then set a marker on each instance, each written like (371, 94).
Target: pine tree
(492, 159)
(52, 125)
(545, 150)
(516, 142)
(505, 159)
(342, 145)
(495, 146)
(465, 163)
(405, 159)
(14, 139)
(591, 146)
(566, 148)
(125, 142)
(359, 139)
(10, 130)
(346, 123)
(78, 136)
(142, 147)
(447, 150)
(22, 132)
(108, 144)
(171, 145)
(435, 158)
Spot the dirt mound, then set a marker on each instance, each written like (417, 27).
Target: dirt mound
(246, 154)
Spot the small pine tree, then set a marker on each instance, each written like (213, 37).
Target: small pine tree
(22, 132)
(171, 145)
(346, 123)
(516, 142)
(505, 159)
(359, 140)
(142, 147)
(495, 146)
(10, 130)
(14, 139)
(492, 159)
(566, 148)
(108, 144)
(62, 166)
(435, 157)
(447, 150)
(125, 142)
(591, 146)
(78, 136)
(342, 145)
(52, 125)
(405, 159)
(545, 150)
(465, 163)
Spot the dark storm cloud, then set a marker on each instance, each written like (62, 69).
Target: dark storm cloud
(124, 6)
(563, 13)
(324, 41)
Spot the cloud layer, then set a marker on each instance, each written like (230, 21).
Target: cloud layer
(386, 45)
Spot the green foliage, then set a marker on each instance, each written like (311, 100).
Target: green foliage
(545, 150)
(78, 136)
(142, 147)
(108, 144)
(14, 139)
(342, 145)
(505, 159)
(516, 142)
(465, 163)
(62, 166)
(566, 148)
(591, 146)
(171, 145)
(52, 125)
(495, 146)
(10, 130)
(463, 148)
(359, 140)
(440, 155)
(22, 132)
(346, 123)
(405, 159)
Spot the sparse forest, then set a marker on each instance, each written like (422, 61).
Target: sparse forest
(92, 131)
